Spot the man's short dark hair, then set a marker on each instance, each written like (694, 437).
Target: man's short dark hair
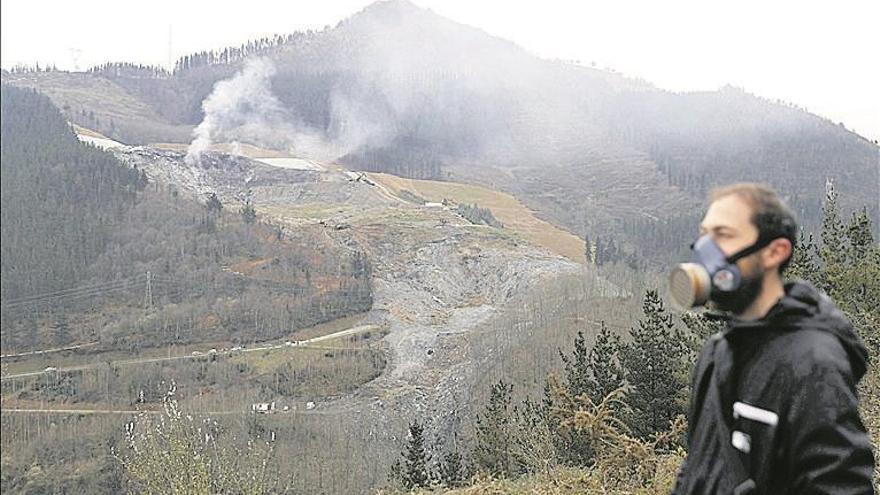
(770, 215)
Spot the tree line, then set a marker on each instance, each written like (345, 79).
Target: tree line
(616, 410)
(82, 230)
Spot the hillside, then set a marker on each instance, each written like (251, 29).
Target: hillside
(82, 231)
(96, 251)
(504, 207)
(54, 188)
(182, 287)
(102, 104)
(375, 225)
(399, 89)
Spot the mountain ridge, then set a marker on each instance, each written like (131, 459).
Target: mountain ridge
(403, 90)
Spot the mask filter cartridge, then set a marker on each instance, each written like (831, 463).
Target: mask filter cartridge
(693, 284)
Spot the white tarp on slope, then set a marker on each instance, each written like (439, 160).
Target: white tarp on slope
(100, 142)
(293, 163)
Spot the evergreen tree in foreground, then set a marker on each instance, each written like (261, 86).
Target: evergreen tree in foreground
(804, 259)
(453, 472)
(848, 268)
(578, 373)
(411, 471)
(603, 361)
(593, 372)
(655, 365)
(493, 451)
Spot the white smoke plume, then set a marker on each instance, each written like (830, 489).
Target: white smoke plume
(389, 89)
(241, 108)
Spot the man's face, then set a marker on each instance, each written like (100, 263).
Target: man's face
(728, 221)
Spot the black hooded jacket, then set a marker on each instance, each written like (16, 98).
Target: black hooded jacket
(774, 407)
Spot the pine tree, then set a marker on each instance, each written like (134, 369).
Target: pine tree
(855, 281)
(804, 260)
(537, 440)
(213, 204)
(833, 240)
(848, 268)
(248, 213)
(701, 327)
(452, 472)
(655, 366)
(594, 371)
(414, 469)
(493, 451)
(861, 239)
(577, 367)
(588, 250)
(395, 474)
(603, 361)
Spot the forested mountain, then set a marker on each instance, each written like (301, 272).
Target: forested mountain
(92, 252)
(178, 283)
(705, 138)
(400, 89)
(60, 199)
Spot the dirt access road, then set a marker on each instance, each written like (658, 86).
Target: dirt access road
(128, 362)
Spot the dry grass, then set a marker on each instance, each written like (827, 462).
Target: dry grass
(309, 357)
(506, 208)
(85, 91)
(870, 401)
(87, 132)
(311, 212)
(569, 481)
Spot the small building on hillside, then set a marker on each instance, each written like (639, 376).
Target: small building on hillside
(263, 407)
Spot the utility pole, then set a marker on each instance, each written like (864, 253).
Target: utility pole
(148, 295)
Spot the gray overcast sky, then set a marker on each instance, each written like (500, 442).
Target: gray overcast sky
(821, 55)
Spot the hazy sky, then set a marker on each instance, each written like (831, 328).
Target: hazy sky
(822, 55)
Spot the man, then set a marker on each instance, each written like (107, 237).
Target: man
(774, 406)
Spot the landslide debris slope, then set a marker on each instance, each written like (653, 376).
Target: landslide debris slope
(400, 89)
(439, 281)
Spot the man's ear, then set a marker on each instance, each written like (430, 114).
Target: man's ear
(776, 253)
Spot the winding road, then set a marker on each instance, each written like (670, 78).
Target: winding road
(128, 362)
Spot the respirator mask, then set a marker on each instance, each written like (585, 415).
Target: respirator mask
(713, 276)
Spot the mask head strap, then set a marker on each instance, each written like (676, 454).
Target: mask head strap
(754, 248)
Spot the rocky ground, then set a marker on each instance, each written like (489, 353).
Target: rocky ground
(438, 281)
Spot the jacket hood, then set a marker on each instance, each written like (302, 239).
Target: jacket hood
(804, 307)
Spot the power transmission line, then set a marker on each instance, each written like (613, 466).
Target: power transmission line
(69, 295)
(70, 290)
